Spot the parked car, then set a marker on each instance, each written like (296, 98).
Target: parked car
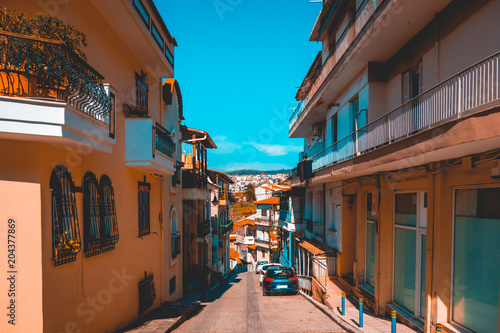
(280, 280)
(259, 266)
(264, 269)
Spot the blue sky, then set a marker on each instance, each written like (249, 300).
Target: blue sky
(238, 64)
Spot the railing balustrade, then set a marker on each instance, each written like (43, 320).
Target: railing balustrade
(305, 283)
(163, 141)
(461, 94)
(42, 68)
(320, 271)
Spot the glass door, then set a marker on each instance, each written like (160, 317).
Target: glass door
(410, 223)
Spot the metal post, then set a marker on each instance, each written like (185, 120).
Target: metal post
(360, 312)
(393, 321)
(343, 303)
(439, 328)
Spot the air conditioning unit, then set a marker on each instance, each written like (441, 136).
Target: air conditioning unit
(318, 130)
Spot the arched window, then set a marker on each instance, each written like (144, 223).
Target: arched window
(91, 216)
(176, 235)
(109, 225)
(66, 241)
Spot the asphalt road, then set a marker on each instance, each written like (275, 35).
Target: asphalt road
(239, 306)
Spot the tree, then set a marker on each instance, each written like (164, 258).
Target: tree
(250, 193)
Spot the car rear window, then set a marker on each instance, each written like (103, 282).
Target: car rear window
(286, 273)
(261, 262)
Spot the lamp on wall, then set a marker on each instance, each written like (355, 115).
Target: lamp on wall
(215, 201)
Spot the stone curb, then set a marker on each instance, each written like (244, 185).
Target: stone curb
(330, 314)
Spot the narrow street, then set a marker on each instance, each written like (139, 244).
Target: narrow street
(239, 306)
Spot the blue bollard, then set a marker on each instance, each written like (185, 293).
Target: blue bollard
(360, 312)
(393, 321)
(343, 303)
(439, 328)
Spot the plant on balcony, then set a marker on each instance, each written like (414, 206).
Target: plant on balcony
(48, 64)
(135, 111)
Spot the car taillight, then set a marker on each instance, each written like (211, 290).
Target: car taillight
(261, 272)
(268, 279)
(293, 278)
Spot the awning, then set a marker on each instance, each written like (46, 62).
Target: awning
(253, 247)
(314, 247)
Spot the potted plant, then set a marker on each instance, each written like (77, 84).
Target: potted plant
(135, 111)
(52, 73)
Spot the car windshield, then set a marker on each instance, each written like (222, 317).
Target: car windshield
(277, 273)
(265, 267)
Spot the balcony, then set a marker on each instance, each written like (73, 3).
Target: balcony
(369, 36)
(149, 147)
(49, 94)
(473, 90)
(176, 245)
(194, 179)
(203, 229)
(262, 242)
(226, 229)
(263, 221)
(245, 240)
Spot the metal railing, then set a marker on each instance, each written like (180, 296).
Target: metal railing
(320, 271)
(203, 228)
(194, 179)
(463, 93)
(305, 283)
(43, 68)
(363, 14)
(225, 229)
(163, 141)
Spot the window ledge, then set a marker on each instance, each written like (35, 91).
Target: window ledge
(367, 290)
(454, 328)
(407, 318)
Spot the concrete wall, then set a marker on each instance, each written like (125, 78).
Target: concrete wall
(99, 293)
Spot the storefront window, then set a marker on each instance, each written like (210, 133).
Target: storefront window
(476, 264)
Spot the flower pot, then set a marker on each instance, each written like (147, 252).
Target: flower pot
(17, 83)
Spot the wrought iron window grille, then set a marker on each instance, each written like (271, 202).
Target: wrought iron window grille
(91, 216)
(176, 244)
(147, 293)
(66, 243)
(109, 224)
(144, 208)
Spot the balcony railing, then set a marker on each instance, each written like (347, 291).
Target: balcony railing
(262, 242)
(194, 179)
(225, 229)
(285, 215)
(42, 68)
(462, 94)
(363, 14)
(203, 229)
(176, 244)
(163, 141)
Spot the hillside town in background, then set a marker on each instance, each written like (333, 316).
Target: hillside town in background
(114, 219)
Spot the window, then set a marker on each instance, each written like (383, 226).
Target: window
(91, 217)
(66, 241)
(109, 225)
(476, 267)
(334, 124)
(176, 235)
(112, 114)
(410, 222)
(370, 241)
(141, 89)
(141, 10)
(263, 212)
(172, 286)
(156, 35)
(169, 55)
(144, 209)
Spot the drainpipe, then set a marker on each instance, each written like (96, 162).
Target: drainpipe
(324, 213)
